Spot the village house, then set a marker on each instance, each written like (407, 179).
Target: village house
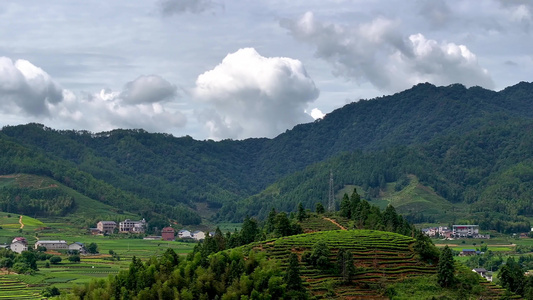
(106, 227)
(167, 233)
(132, 226)
(483, 273)
(77, 246)
(52, 245)
(18, 245)
(184, 234)
(441, 231)
(469, 252)
(198, 235)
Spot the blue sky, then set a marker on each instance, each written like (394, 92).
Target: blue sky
(239, 69)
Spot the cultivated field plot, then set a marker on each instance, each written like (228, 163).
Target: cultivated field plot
(317, 223)
(376, 255)
(14, 289)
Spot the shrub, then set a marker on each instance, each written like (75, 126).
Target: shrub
(55, 260)
(50, 291)
(74, 258)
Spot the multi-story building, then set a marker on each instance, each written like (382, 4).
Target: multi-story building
(106, 227)
(132, 226)
(465, 230)
(167, 233)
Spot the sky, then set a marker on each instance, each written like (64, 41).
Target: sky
(218, 69)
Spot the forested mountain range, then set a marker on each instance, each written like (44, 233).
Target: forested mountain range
(468, 146)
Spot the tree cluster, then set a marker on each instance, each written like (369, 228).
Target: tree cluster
(224, 275)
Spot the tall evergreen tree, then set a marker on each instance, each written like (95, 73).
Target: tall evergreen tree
(292, 275)
(295, 288)
(319, 208)
(345, 265)
(301, 212)
(345, 209)
(269, 227)
(512, 276)
(446, 269)
(249, 230)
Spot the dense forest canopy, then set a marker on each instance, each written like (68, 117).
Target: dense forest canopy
(469, 145)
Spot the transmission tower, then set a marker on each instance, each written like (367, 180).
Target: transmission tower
(331, 196)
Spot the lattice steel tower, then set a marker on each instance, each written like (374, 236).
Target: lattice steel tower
(331, 196)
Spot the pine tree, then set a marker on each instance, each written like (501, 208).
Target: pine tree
(345, 265)
(301, 212)
(295, 288)
(446, 269)
(345, 209)
(512, 276)
(319, 208)
(292, 275)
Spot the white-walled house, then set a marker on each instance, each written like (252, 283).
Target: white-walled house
(19, 246)
(184, 234)
(198, 235)
(77, 246)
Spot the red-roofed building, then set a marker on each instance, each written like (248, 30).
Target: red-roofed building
(167, 233)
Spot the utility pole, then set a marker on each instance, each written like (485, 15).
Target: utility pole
(331, 196)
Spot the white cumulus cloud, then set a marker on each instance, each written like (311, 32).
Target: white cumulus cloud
(377, 52)
(316, 114)
(26, 89)
(30, 93)
(250, 95)
(141, 104)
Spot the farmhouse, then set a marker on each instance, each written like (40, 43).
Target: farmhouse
(483, 273)
(77, 246)
(167, 233)
(19, 246)
(441, 231)
(132, 226)
(184, 234)
(198, 235)
(106, 227)
(52, 245)
(469, 252)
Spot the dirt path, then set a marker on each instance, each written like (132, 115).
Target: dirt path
(335, 222)
(20, 222)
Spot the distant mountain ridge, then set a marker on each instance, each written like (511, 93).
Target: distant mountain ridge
(163, 171)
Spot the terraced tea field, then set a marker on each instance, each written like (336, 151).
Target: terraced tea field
(14, 289)
(381, 258)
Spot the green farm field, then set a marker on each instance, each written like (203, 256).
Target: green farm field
(66, 275)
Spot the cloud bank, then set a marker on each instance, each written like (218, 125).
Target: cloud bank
(249, 95)
(26, 89)
(379, 53)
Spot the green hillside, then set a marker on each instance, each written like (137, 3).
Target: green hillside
(469, 148)
(383, 264)
(58, 200)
